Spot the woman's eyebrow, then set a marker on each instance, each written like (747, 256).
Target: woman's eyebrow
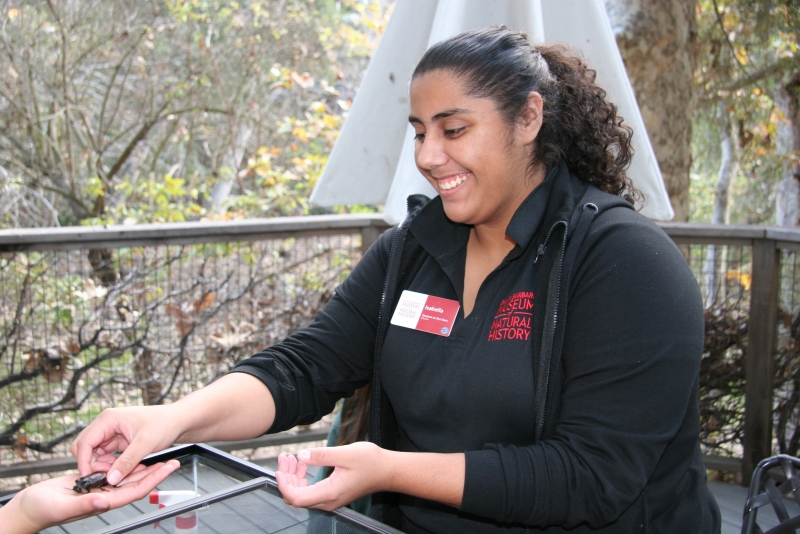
(441, 115)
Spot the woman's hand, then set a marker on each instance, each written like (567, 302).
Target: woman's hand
(52, 502)
(237, 406)
(359, 469)
(363, 468)
(137, 431)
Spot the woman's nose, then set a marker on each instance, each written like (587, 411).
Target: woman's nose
(429, 153)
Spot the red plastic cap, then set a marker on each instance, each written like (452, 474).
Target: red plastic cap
(153, 497)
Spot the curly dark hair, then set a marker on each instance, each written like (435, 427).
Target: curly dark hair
(579, 125)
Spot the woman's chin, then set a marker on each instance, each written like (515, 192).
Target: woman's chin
(458, 214)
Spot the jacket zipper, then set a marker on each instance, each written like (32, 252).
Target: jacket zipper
(375, 405)
(580, 233)
(540, 251)
(543, 246)
(375, 401)
(555, 322)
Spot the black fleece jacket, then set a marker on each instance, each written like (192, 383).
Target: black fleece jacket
(571, 387)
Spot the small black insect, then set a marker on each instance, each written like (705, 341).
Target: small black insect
(95, 480)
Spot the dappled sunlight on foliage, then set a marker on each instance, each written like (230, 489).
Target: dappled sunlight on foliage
(744, 49)
(115, 113)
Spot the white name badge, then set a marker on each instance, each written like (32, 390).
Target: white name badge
(426, 313)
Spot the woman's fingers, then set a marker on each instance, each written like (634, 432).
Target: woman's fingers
(103, 463)
(320, 495)
(350, 456)
(106, 434)
(291, 461)
(357, 472)
(326, 456)
(136, 431)
(288, 463)
(143, 471)
(140, 484)
(127, 461)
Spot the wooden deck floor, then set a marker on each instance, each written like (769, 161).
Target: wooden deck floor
(730, 499)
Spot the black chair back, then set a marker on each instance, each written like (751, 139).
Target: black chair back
(764, 490)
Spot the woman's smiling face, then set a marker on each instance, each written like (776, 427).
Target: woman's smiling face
(478, 164)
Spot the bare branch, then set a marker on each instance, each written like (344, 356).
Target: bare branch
(140, 135)
(65, 87)
(784, 64)
(114, 75)
(724, 91)
(49, 446)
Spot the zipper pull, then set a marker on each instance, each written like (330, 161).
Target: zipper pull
(539, 252)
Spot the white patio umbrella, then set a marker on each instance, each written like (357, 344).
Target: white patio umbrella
(373, 159)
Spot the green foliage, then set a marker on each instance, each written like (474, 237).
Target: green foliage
(118, 112)
(744, 46)
(151, 201)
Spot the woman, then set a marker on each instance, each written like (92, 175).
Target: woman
(564, 393)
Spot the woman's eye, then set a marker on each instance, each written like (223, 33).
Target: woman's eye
(454, 132)
(419, 136)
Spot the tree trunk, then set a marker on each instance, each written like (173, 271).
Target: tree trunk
(147, 377)
(102, 262)
(787, 145)
(729, 166)
(657, 42)
(229, 173)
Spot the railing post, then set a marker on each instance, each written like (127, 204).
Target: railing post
(369, 234)
(760, 358)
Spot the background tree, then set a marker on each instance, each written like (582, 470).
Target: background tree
(657, 42)
(748, 65)
(129, 111)
(745, 165)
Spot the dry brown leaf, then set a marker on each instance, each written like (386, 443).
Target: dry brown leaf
(213, 355)
(54, 369)
(204, 302)
(235, 336)
(183, 321)
(20, 446)
(245, 326)
(31, 362)
(68, 348)
(231, 340)
(52, 366)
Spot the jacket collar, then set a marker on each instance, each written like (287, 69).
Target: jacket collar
(437, 234)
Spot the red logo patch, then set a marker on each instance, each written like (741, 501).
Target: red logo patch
(513, 318)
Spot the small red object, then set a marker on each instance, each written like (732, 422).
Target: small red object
(186, 522)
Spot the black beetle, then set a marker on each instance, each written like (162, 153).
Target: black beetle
(95, 480)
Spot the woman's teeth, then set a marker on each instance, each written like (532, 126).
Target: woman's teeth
(459, 179)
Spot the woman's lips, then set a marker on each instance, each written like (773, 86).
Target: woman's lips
(452, 182)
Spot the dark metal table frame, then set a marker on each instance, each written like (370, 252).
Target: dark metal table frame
(235, 467)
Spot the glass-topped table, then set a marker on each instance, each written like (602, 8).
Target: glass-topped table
(216, 493)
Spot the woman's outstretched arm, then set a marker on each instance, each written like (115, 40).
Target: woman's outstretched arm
(237, 406)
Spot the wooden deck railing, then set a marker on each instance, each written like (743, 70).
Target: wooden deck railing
(113, 324)
(766, 246)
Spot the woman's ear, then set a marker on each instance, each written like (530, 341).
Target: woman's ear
(531, 118)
